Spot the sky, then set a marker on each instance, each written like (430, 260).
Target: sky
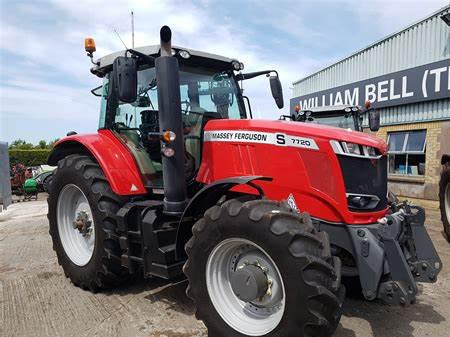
(45, 80)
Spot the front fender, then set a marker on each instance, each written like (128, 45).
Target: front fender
(115, 160)
(207, 197)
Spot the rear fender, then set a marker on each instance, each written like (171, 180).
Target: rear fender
(206, 198)
(113, 157)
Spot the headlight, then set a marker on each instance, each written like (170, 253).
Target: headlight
(237, 65)
(371, 151)
(352, 148)
(362, 201)
(184, 54)
(355, 150)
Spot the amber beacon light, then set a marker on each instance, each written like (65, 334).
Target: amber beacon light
(89, 45)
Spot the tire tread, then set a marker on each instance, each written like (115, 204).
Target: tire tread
(307, 246)
(109, 272)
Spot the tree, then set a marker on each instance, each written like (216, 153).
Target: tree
(42, 144)
(20, 144)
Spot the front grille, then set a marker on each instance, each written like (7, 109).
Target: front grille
(365, 177)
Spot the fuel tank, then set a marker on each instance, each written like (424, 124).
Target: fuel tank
(305, 164)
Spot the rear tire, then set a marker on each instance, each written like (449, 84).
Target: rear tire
(444, 199)
(312, 296)
(103, 269)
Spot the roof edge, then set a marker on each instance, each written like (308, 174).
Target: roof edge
(108, 59)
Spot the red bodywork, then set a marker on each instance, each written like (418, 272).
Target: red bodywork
(312, 176)
(114, 158)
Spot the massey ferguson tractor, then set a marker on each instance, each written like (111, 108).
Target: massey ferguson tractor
(342, 116)
(263, 217)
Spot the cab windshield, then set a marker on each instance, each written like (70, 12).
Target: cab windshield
(205, 94)
(347, 121)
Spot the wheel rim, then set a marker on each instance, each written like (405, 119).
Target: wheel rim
(73, 209)
(255, 318)
(447, 202)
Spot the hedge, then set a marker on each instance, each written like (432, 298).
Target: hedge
(32, 157)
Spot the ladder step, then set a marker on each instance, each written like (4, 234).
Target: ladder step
(165, 236)
(166, 271)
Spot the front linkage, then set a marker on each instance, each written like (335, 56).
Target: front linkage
(394, 254)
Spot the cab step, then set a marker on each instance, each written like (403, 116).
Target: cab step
(147, 240)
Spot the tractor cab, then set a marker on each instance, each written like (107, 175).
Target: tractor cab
(348, 117)
(208, 89)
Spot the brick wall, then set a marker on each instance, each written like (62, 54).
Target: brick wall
(426, 188)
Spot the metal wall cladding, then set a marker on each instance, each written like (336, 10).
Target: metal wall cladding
(421, 43)
(411, 113)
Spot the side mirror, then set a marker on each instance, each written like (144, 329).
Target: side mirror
(277, 91)
(125, 78)
(374, 120)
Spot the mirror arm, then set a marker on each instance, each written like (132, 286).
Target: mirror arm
(249, 106)
(241, 76)
(147, 58)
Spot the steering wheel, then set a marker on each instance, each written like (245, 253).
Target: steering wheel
(188, 107)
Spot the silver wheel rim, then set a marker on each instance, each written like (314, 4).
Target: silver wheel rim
(447, 202)
(78, 247)
(255, 318)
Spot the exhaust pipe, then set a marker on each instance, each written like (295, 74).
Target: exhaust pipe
(169, 109)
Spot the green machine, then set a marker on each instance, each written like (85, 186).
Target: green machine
(30, 189)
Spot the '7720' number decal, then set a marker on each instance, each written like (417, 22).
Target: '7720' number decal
(287, 140)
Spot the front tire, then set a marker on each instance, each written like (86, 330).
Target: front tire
(444, 199)
(90, 253)
(305, 297)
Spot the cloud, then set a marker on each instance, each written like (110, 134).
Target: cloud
(45, 73)
(60, 93)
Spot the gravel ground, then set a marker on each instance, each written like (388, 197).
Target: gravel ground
(37, 300)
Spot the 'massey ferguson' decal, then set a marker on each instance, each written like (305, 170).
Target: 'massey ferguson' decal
(242, 136)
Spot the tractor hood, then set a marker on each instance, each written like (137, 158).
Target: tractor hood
(314, 131)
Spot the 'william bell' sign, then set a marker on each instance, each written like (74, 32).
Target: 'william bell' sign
(423, 83)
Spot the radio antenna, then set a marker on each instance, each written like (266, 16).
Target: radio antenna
(132, 30)
(118, 35)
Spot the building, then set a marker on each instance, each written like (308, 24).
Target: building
(406, 76)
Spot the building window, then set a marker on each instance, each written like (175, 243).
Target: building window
(407, 152)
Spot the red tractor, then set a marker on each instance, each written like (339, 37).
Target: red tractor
(263, 217)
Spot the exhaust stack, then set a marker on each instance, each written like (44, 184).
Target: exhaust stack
(169, 107)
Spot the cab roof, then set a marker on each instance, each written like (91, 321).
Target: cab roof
(332, 110)
(203, 58)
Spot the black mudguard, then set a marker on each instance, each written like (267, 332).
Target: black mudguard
(207, 197)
